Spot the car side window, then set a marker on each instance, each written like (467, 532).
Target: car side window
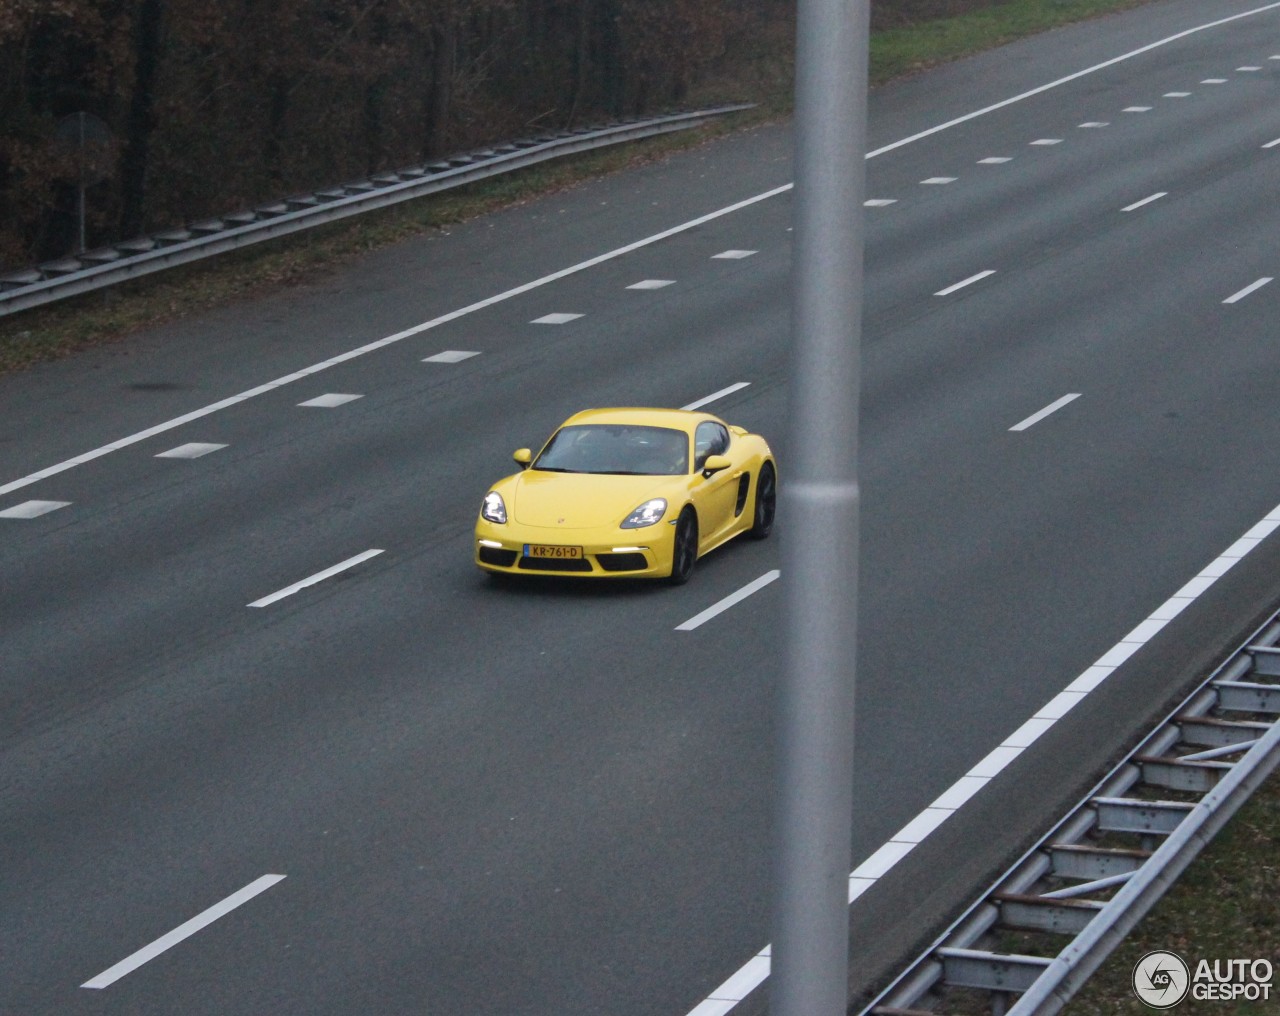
(710, 438)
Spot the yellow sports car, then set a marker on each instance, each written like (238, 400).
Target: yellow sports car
(630, 493)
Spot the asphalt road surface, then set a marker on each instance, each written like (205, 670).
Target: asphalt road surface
(549, 798)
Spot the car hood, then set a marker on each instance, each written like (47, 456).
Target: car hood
(580, 500)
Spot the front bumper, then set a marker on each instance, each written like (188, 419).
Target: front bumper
(613, 553)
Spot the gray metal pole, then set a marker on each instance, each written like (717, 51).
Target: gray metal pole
(810, 958)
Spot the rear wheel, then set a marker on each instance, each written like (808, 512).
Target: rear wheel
(684, 550)
(766, 505)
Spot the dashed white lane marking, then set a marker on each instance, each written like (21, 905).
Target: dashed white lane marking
(994, 160)
(330, 401)
(311, 580)
(734, 255)
(183, 931)
(725, 998)
(1214, 81)
(965, 282)
(1046, 141)
(651, 283)
(32, 509)
(1175, 95)
(1095, 123)
(938, 180)
(1052, 407)
(1145, 201)
(880, 202)
(555, 319)
(387, 340)
(721, 606)
(1246, 70)
(1251, 288)
(1272, 144)
(192, 450)
(617, 252)
(451, 356)
(1136, 109)
(737, 386)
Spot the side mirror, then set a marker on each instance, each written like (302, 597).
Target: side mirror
(523, 456)
(714, 464)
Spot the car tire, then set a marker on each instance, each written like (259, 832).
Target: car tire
(766, 503)
(684, 548)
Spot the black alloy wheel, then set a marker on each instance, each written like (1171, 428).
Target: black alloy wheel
(684, 552)
(766, 502)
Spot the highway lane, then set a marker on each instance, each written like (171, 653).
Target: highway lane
(393, 721)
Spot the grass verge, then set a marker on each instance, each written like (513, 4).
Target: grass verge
(906, 50)
(763, 72)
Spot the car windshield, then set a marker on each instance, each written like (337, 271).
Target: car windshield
(624, 449)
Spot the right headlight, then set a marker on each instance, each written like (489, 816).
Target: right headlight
(647, 514)
(494, 509)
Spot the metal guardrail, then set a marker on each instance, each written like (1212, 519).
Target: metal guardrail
(1219, 746)
(82, 273)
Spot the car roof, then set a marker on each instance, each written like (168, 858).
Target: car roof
(679, 419)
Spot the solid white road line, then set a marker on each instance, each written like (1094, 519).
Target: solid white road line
(453, 315)
(1145, 201)
(1141, 50)
(735, 387)
(387, 340)
(725, 998)
(32, 509)
(1252, 287)
(965, 282)
(330, 401)
(341, 566)
(723, 605)
(165, 942)
(741, 984)
(193, 450)
(1052, 407)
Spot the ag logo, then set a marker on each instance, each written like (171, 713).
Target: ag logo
(1161, 979)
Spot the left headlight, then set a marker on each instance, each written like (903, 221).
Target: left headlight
(493, 509)
(647, 514)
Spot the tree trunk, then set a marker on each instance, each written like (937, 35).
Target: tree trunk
(440, 93)
(140, 123)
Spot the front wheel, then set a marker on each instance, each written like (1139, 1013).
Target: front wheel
(766, 506)
(684, 550)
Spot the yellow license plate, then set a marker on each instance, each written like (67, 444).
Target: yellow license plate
(547, 550)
